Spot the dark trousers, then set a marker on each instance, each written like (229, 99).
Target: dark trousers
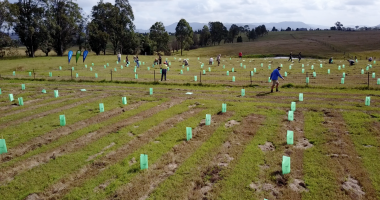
(163, 74)
(290, 58)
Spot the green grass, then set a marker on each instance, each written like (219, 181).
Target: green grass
(319, 179)
(363, 133)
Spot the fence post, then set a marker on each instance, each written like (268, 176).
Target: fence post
(200, 77)
(111, 75)
(368, 80)
(250, 75)
(154, 75)
(34, 75)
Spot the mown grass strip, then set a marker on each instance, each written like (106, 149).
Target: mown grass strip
(246, 171)
(366, 140)
(120, 173)
(38, 178)
(319, 178)
(84, 131)
(18, 134)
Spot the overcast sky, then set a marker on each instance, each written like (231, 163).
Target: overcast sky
(320, 12)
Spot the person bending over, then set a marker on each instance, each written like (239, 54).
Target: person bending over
(274, 77)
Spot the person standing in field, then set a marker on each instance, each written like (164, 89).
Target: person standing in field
(241, 55)
(274, 77)
(331, 60)
(137, 61)
(290, 57)
(118, 57)
(218, 59)
(211, 61)
(126, 60)
(299, 57)
(164, 68)
(159, 60)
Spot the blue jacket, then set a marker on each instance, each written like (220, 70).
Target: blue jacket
(275, 74)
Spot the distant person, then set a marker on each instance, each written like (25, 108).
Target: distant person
(186, 62)
(126, 60)
(352, 62)
(370, 59)
(164, 68)
(137, 61)
(218, 59)
(159, 60)
(118, 57)
(331, 60)
(290, 57)
(299, 57)
(240, 55)
(155, 61)
(211, 61)
(274, 77)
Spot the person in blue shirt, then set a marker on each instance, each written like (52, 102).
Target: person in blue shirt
(274, 77)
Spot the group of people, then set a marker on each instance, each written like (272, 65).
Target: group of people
(291, 57)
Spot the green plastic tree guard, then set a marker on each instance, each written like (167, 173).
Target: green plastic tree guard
(281, 65)
(233, 70)
(344, 75)
(269, 67)
(44, 91)
(30, 73)
(321, 65)
(303, 71)
(188, 69)
(143, 161)
(307, 79)
(293, 106)
(339, 68)
(233, 78)
(20, 101)
(269, 80)
(343, 66)
(245, 67)
(289, 137)
(90, 68)
(11, 97)
(108, 64)
(208, 120)
(241, 64)
(290, 67)
(181, 71)
(342, 81)
(362, 71)
(3, 146)
(195, 78)
(285, 165)
(312, 67)
(373, 75)
(224, 67)
(301, 97)
(378, 81)
(77, 75)
(83, 90)
(285, 74)
(85, 66)
(368, 101)
(148, 68)
(224, 108)
(254, 70)
(115, 69)
(251, 73)
(303, 65)
(189, 133)
(209, 69)
(72, 68)
(92, 64)
(105, 67)
(0, 90)
(262, 64)
(242, 92)
(151, 91)
(96, 75)
(135, 70)
(101, 107)
(290, 115)
(204, 72)
(56, 95)
(228, 73)
(136, 76)
(60, 68)
(121, 67)
(314, 74)
(22, 86)
(328, 71)
(62, 120)
(50, 74)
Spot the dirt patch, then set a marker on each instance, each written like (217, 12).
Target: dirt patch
(351, 186)
(298, 186)
(33, 197)
(100, 153)
(267, 187)
(268, 146)
(303, 143)
(132, 161)
(231, 123)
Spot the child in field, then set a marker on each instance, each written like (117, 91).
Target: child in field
(370, 59)
(155, 61)
(126, 60)
(331, 60)
(274, 77)
(211, 61)
(241, 55)
(218, 59)
(137, 61)
(118, 57)
(290, 57)
(299, 57)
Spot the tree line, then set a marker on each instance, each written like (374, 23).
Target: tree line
(57, 25)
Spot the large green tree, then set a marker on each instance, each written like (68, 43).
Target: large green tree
(29, 24)
(183, 33)
(159, 37)
(64, 19)
(234, 31)
(97, 38)
(205, 36)
(216, 30)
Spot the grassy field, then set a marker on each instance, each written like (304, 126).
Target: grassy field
(248, 71)
(238, 156)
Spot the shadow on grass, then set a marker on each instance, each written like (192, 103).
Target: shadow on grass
(261, 94)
